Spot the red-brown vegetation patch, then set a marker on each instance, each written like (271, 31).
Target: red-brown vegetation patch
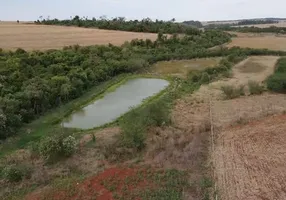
(115, 183)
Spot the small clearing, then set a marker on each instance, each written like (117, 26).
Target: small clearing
(182, 67)
(43, 37)
(255, 68)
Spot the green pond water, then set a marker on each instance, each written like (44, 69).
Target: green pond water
(115, 104)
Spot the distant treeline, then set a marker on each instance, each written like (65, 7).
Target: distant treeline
(254, 22)
(145, 25)
(196, 24)
(241, 23)
(252, 29)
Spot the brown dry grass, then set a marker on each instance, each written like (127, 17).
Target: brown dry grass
(259, 41)
(250, 160)
(255, 68)
(182, 67)
(41, 37)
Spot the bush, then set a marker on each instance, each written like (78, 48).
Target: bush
(133, 129)
(135, 123)
(205, 78)
(232, 92)
(52, 147)
(277, 82)
(255, 88)
(15, 173)
(68, 146)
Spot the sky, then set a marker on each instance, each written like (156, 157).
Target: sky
(202, 10)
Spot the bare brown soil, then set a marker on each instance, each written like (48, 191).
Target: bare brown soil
(41, 37)
(250, 160)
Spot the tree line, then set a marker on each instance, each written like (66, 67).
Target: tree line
(120, 23)
(253, 22)
(250, 29)
(240, 23)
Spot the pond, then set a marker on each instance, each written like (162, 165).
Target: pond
(115, 104)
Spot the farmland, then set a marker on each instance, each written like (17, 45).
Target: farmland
(41, 37)
(259, 41)
(216, 131)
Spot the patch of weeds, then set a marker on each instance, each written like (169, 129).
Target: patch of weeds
(15, 173)
(205, 184)
(232, 92)
(255, 88)
(52, 148)
(135, 123)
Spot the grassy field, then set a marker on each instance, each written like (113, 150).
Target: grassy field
(259, 41)
(182, 67)
(41, 37)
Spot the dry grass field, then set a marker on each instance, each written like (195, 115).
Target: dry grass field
(182, 67)
(41, 37)
(258, 40)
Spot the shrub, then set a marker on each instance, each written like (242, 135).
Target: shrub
(52, 147)
(68, 145)
(255, 88)
(277, 82)
(135, 123)
(133, 129)
(158, 114)
(205, 78)
(14, 173)
(232, 92)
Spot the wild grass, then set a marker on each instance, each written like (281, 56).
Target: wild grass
(231, 92)
(135, 123)
(277, 81)
(255, 88)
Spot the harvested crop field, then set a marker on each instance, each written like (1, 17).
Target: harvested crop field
(259, 41)
(182, 67)
(250, 160)
(41, 37)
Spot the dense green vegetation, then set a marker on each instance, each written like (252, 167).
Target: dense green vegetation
(34, 82)
(253, 22)
(120, 23)
(196, 24)
(277, 81)
(251, 29)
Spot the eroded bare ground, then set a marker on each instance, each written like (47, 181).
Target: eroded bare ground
(250, 160)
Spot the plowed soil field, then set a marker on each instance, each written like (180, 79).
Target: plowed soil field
(250, 160)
